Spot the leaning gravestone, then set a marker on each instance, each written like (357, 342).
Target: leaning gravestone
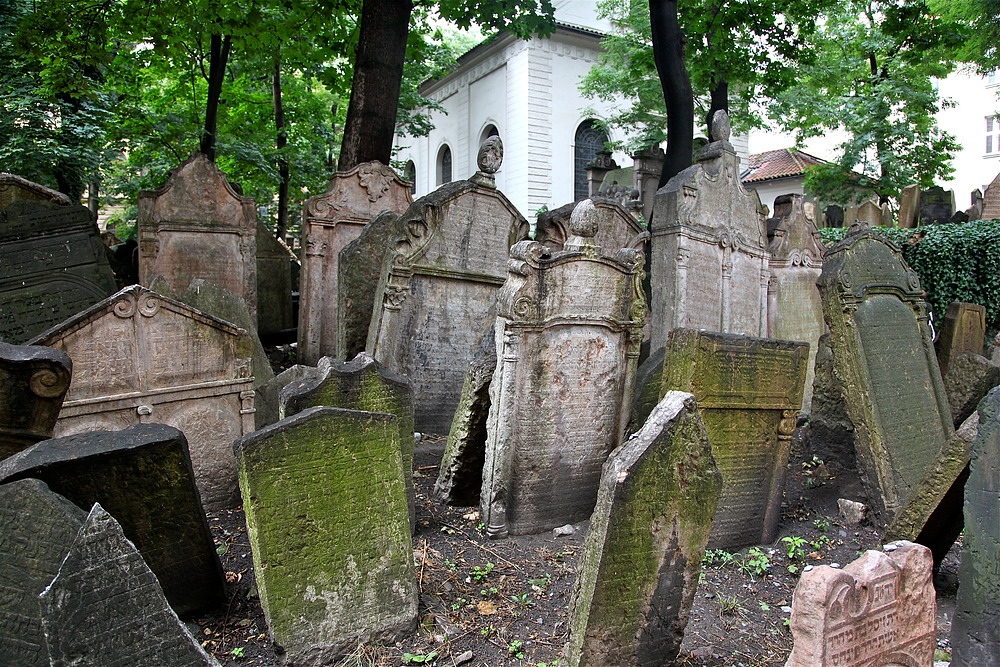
(438, 284)
(53, 261)
(105, 607)
(642, 556)
(568, 330)
(970, 377)
(274, 283)
(884, 356)
(33, 383)
(329, 222)
(749, 391)
(139, 357)
(38, 527)
(709, 263)
(975, 630)
(143, 476)
(962, 332)
(616, 227)
(199, 226)
(327, 520)
(909, 206)
(991, 200)
(362, 384)
(878, 610)
(795, 311)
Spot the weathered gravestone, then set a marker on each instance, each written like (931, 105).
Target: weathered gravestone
(975, 630)
(568, 330)
(749, 391)
(199, 226)
(642, 557)
(33, 383)
(963, 331)
(274, 283)
(329, 222)
(883, 355)
(970, 377)
(870, 212)
(53, 262)
(877, 610)
(143, 476)
(936, 205)
(105, 607)
(38, 527)
(709, 263)
(361, 384)
(139, 357)
(795, 311)
(437, 286)
(991, 200)
(327, 519)
(909, 206)
(616, 227)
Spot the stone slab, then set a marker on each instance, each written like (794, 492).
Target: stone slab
(15, 188)
(33, 383)
(274, 283)
(639, 569)
(143, 476)
(991, 200)
(969, 378)
(963, 331)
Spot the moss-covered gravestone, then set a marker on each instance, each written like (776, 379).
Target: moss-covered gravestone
(642, 557)
(327, 519)
(33, 382)
(975, 630)
(362, 384)
(143, 476)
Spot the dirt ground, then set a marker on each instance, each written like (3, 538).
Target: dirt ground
(504, 603)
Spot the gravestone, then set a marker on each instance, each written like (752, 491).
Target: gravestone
(616, 228)
(969, 378)
(358, 271)
(143, 476)
(937, 205)
(834, 216)
(709, 264)
(198, 225)
(647, 165)
(870, 212)
(329, 222)
(33, 383)
(38, 527)
(327, 520)
(568, 330)
(878, 610)
(975, 630)
(105, 607)
(963, 331)
(830, 431)
(54, 263)
(991, 200)
(907, 454)
(274, 283)
(139, 357)
(794, 310)
(975, 212)
(639, 569)
(437, 286)
(749, 391)
(361, 384)
(909, 206)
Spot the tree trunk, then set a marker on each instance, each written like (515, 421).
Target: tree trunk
(281, 142)
(378, 72)
(216, 74)
(720, 102)
(668, 54)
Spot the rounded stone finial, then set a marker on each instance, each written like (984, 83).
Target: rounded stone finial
(585, 220)
(490, 155)
(721, 128)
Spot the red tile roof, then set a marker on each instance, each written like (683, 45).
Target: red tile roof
(782, 163)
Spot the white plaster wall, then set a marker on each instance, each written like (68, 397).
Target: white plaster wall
(975, 99)
(768, 191)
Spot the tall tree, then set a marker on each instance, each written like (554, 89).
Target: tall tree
(979, 23)
(668, 55)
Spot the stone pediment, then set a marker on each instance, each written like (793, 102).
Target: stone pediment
(14, 188)
(358, 195)
(198, 194)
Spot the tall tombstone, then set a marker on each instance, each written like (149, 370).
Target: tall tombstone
(199, 225)
(53, 261)
(884, 356)
(975, 629)
(647, 165)
(105, 607)
(33, 384)
(361, 384)
(878, 610)
(616, 229)
(709, 265)
(991, 200)
(963, 331)
(937, 205)
(568, 330)
(870, 212)
(834, 216)
(274, 283)
(139, 357)
(438, 283)
(639, 569)
(330, 221)
(749, 391)
(38, 527)
(909, 206)
(975, 212)
(143, 476)
(326, 515)
(795, 311)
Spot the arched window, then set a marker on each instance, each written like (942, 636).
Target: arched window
(590, 140)
(444, 165)
(410, 174)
